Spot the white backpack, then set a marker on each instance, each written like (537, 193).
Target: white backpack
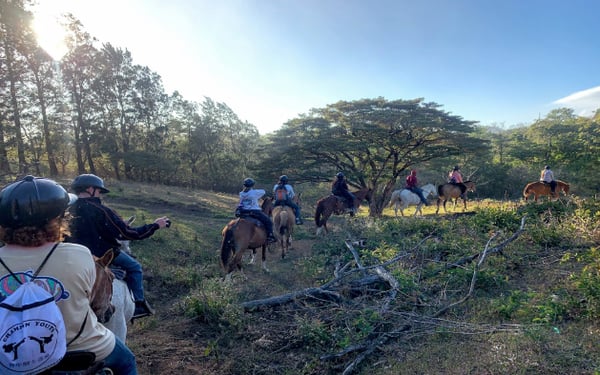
(32, 329)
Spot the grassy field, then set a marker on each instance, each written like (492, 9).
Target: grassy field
(505, 289)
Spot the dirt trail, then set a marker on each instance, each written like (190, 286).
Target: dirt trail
(179, 345)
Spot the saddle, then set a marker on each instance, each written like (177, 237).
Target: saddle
(79, 362)
(249, 215)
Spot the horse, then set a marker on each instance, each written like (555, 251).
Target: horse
(451, 191)
(283, 226)
(102, 291)
(539, 188)
(332, 204)
(122, 300)
(241, 234)
(403, 198)
(111, 299)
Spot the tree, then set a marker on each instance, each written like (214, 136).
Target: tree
(372, 140)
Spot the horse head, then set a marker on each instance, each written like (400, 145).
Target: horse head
(101, 295)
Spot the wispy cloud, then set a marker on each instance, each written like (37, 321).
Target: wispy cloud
(584, 102)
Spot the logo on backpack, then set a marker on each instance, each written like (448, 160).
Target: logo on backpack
(32, 329)
(281, 193)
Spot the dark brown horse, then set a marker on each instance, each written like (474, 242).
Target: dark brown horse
(450, 191)
(241, 234)
(101, 295)
(539, 188)
(332, 204)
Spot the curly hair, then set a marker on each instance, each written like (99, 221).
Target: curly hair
(32, 236)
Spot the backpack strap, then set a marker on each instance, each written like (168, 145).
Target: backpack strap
(36, 272)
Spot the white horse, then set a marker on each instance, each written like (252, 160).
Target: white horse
(122, 300)
(403, 198)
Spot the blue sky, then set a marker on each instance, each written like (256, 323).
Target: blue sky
(497, 62)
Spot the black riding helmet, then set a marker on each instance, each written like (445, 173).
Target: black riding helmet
(283, 179)
(32, 201)
(84, 181)
(340, 175)
(248, 182)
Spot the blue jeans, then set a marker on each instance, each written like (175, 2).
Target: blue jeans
(133, 278)
(121, 360)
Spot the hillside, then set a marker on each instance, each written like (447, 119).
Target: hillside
(517, 319)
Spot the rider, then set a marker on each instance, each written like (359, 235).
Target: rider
(249, 205)
(411, 184)
(455, 178)
(547, 177)
(284, 193)
(339, 187)
(32, 222)
(99, 228)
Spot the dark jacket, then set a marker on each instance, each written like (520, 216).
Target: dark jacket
(98, 227)
(339, 187)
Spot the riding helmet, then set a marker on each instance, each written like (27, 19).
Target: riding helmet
(456, 168)
(248, 182)
(340, 175)
(33, 201)
(547, 167)
(84, 181)
(283, 179)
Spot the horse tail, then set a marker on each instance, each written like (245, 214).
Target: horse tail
(440, 190)
(319, 213)
(226, 246)
(526, 191)
(283, 222)
(395, 197)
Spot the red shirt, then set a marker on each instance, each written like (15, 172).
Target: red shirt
(411, 181)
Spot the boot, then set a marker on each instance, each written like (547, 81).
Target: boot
(142, 309)
(299, 220)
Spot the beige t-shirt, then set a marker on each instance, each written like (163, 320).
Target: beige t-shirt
(70, 273)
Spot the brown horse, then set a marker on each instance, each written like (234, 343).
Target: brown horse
(539, 188)
(450, 191)
(101, 295)
(332, 204)
(283, 226)
(241, 234)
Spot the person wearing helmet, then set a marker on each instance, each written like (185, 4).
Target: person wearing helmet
(339, 188)
(32, 226)
(412, 185)
(249, 206)
(99, 228)
(284, 195)
(547, 177)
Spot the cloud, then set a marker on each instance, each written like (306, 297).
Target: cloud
(584, 102)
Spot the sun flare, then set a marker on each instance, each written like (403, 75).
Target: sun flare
(50, 34)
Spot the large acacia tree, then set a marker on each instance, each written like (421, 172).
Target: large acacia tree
(372, 140)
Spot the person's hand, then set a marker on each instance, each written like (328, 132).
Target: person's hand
(163, 222)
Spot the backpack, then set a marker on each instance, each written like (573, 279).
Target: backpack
(281, 193)
(32, 329)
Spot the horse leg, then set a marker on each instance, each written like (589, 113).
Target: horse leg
(418, 209)
(264, 258)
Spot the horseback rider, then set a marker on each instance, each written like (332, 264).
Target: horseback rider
(455, 178)
(339, 187)
(411, 184)
(249, 206)
(33, 225)
(547, 177)
(100, 228)
(284, 193)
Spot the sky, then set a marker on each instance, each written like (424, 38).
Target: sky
(502, 63)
